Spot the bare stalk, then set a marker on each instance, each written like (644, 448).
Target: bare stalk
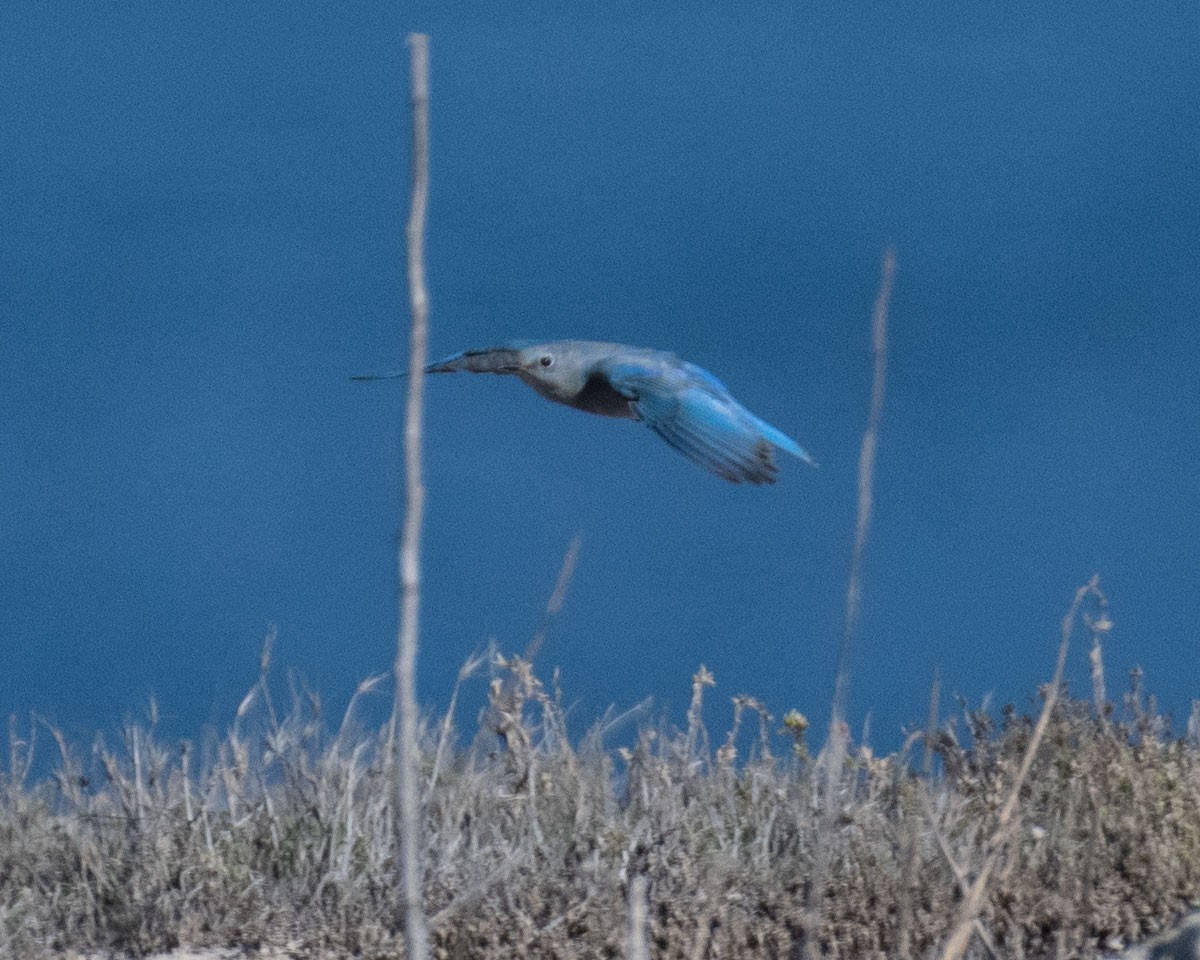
(565, 572)
(1099, 626)
(637, 947)
(408, 767)
(866, 481)
(964, 925)
(835, 752)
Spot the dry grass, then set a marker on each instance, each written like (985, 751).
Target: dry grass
(282, 834)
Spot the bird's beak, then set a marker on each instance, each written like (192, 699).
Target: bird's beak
(493, 360)
(390, 375)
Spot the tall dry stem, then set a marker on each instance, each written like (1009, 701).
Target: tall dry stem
(866, 482)
(968, 912)
(835, 752)
(555, 603)
(637, 948)
(405, 709)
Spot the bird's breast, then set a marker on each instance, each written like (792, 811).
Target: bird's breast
(598, 396)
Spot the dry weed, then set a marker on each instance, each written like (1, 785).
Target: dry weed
(281, 834)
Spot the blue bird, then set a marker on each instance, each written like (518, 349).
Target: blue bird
(687, 406)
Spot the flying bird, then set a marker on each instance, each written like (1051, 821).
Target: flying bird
(684, 404)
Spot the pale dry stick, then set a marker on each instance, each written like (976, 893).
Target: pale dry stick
(364, 687)
(264, 668)
(960, 936)
(137, 775)
(695, 729)
(1099, 626)
(467, 670)
(910, 841)
(405, 709)
(554, 605)
(960, 875)
(866, 481)
(1099, 700)
(471, 895)
(637, 949)
(20, 753)
(67, 775)
(187, 784)
(835, 754)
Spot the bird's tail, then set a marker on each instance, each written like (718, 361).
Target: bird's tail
(781, 440)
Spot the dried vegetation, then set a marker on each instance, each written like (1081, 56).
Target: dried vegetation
(281, 834)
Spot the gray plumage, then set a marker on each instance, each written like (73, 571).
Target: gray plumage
(684, 404)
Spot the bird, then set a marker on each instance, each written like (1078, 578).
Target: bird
(684, 404)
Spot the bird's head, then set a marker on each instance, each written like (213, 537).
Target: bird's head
(558, 371)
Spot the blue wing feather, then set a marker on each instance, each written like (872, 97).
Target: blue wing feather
(693, 412)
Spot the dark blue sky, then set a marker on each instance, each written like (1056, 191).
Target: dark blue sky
(202, 212)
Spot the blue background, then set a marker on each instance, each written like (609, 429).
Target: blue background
(201, 239)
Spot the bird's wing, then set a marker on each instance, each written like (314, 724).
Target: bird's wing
(776, 436)
(698, 417)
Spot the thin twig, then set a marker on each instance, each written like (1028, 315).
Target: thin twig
(960, 875)
(637, 948)
(468, 669)
(554, 605)
(835, 752)
(866, 481)
(408, 767)
(960, 937)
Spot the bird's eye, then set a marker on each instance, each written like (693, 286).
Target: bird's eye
(546, 361)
